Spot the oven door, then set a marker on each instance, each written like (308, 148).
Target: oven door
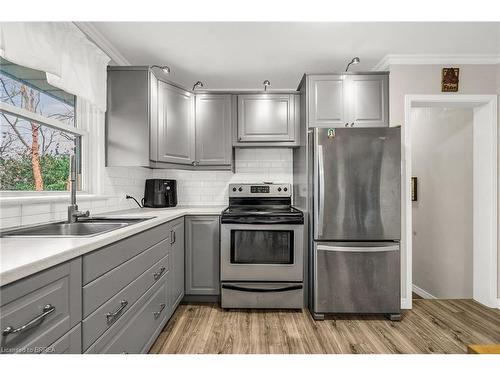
(262, 252)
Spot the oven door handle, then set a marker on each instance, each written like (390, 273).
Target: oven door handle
(261, 290)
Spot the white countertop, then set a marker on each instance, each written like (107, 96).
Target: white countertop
(21, 257)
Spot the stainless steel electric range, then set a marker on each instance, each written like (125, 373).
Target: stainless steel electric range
(262, 254)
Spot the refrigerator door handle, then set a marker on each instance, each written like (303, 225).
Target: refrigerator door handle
(359, 249)
(321, 190)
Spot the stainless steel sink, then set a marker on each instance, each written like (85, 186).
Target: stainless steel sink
(82, 228)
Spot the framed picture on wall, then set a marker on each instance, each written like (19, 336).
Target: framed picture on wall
(449, 79)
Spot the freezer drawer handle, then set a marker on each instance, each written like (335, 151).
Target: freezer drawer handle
(359, 249)
(262, 290)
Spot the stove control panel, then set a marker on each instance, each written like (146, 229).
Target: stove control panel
(260, 190)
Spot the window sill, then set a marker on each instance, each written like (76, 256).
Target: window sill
(11, 199)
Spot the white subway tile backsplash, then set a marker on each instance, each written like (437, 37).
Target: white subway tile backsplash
(194, 187)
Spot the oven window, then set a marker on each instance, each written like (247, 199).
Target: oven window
(261, 246)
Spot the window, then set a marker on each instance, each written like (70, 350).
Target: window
(38, 131)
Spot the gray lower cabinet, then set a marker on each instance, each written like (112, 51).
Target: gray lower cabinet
(175, 134)
(202, 255)
(213, 129)
(176, 274)
(70, 343)
(37, 310)
(138, 328)
(267, 119)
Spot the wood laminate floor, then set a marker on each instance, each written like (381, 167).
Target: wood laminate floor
(432, 326)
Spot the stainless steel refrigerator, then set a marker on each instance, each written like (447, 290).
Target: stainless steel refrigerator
(356, 221)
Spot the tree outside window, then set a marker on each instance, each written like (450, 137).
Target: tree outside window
(33, 156)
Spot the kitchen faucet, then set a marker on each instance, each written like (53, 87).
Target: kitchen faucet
(73, 213)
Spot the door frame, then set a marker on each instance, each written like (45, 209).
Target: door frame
(485, 192)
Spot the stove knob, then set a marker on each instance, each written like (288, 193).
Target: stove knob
(234, 189)
(240, 189)
(279, 189)
(285, 189)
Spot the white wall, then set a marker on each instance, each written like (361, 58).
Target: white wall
(426, 80)
(194, 187)
(211, 187)
(442, 216)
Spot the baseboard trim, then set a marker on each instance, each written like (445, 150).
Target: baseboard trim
(422, 293)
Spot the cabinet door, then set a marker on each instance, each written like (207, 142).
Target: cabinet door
(266, 118)
(202, 255)
(177, 266)
(368, 100)
(326, 104)
(213, 129)
(175, 125)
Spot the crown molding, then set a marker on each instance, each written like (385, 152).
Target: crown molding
(102, 42)
(481, 59)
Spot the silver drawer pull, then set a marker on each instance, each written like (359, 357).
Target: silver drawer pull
(47, 309)
(157, 313)
(114, 314)
(158, 274)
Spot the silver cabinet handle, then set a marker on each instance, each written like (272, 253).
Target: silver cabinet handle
(47, 309)
(157, 313)
(158, 274)
(114, 314)
(172, 237)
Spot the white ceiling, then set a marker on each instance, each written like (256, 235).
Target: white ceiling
(236, 55)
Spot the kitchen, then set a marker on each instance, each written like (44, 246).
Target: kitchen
(218, 214)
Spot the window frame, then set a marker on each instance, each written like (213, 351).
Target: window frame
(13, 196)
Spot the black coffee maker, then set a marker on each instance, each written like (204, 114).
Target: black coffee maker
(160, 193)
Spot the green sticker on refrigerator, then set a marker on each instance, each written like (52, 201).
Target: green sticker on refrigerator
(331, 133)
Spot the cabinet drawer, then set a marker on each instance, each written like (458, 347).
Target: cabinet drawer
(47, 304)
(101, 261)
(70, 343)
(138, 327)
(106, 286)
(98, 322)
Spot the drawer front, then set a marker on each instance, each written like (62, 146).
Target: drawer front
(133, 332)
(41, 308)
(106, 286)
(102, 260)
(98, 322)
(70, 343)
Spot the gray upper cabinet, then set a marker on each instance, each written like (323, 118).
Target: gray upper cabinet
(202, 255)
(267, 120)
(326, 101)
(369, 100)
(175, 135)
(213, 129)
(131, 112)
(348, 100)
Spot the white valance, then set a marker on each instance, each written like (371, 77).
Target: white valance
(71, 61)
